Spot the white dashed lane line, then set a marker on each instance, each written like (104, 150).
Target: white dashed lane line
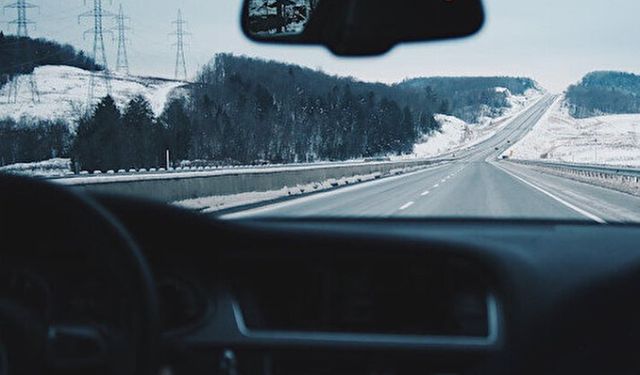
(427, 192)
(407, 205)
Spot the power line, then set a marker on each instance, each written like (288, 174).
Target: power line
(22, 30)
(122, 63)
(99, 53)
(180, 33)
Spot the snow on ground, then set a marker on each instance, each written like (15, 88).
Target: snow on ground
(456, 134)
(47, 168)
(607, 140)
(222, 202)
(453, 134)
(63, 92)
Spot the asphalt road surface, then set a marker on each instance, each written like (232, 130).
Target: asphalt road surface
(477, 185)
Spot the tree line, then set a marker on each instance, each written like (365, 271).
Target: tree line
(601, 93)
(108, 138)
(469, 98)
(21, 55)
(30, 140)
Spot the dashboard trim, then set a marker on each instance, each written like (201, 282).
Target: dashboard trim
(490, 340)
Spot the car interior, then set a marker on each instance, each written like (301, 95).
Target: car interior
(98, 283)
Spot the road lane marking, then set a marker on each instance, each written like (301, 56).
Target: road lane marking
(443, 180)
(322, 195)
(556, 198)
(436, 185)
(425, 193)
(406, 205)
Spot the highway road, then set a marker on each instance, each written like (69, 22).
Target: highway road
(476, 185)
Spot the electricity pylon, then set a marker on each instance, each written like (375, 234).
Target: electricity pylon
(180, 33)
(122, 63)
(99, 53)
(22, 23)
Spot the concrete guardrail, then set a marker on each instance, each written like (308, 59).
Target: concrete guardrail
(170, 187)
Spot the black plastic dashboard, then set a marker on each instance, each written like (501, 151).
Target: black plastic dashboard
(398, 296)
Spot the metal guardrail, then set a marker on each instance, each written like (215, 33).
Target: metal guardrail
(604, 172)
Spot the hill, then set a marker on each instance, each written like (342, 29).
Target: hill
(63, 93)
(604, 92)
(21, 55)
(248, 109)
(474, 99)
(608, 140)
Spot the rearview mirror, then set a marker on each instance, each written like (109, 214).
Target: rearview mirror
(360, 27)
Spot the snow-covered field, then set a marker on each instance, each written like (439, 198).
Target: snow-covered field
(607, 140)
(63, 93)
(456, 134)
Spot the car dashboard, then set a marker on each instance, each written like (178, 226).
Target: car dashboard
(339, 296)
(344, 296)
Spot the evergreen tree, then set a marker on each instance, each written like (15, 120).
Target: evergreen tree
(179, 129)
(407, 132)
(98, 145)
(141, 135)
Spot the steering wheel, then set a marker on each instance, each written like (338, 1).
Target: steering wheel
(48, 223)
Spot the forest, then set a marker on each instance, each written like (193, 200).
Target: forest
(468, 98)
(601, 93)
(21, 55)
(26, 141)
(243, 110)
(250, 110)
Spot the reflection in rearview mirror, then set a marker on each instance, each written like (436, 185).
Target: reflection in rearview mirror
(279, 17)
(359, 27)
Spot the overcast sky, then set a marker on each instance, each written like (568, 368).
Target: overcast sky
(553, 41)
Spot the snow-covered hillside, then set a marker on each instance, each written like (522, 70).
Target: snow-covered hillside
(63, 92)
(612, 139)
(456, 134)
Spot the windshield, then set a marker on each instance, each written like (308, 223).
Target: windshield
(535, 117)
